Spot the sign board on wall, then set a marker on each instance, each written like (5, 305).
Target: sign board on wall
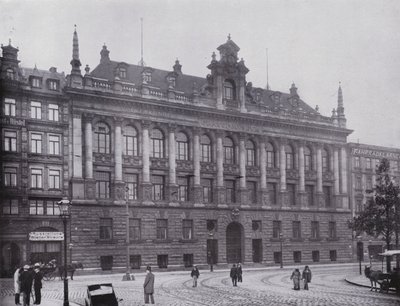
(46, 236)
(375, 154)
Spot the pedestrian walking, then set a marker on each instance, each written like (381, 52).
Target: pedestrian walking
(296, 279)
(17, 285)
(26, 280)
(306, 276)
(37, 283)
(240, 272)
(234, 275)
(149, 286)
(195, 275)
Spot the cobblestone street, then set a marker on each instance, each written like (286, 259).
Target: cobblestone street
(270, 286)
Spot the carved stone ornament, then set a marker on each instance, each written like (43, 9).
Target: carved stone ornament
(208, 167)
(235, 213)
(184, 165)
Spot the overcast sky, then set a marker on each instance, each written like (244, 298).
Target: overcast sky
(315, 44)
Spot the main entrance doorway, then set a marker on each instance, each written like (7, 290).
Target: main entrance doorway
(234, 238)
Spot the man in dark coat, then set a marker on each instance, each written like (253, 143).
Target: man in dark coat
(37, 283)
(239, 271)
(195, 275)
(306, 276)
(234, 275)
(148, 286)
(26, 280)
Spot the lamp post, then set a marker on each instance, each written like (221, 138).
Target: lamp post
(65, 213)
(359, 251)
(127, 275)
(369, 253)
(281, 240)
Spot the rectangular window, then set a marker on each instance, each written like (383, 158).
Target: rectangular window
(272, 193)
(369, 183)
(36, 110)
(357, 163)
(187, 229)
(36, 143)
(54, 144)
(277, 257)
(359, 206)
(10, 141)
(131, 181)
(36, 178)
(36, 207)
(307, 162)
(332, 230)
(52, 208)
(270, 159)
(158, 187)
(289, 160)
(333, 255)
(9, 107)
(106, 262)
(188, 260)
(358, 182)
(162, 261)
(297, 256)
(10, 206)
(134, 229)
(183, 189)
(315, 256)
(54, 179)
(310, 195)
(53, 112)
(296, 229)
(252, 191)
(136, 261)
(327, 195)
(205, 153)
(368, 163)
(162, 229)
(10, 176)
(106, 228)
(207, 190)
(36, 82)
(230, 191)
(53, 85)
(314, 229)
(103, 180)
(276, 228)
(291, 190)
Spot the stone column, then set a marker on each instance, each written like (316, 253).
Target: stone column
(302, 188)
(242, 167)
(77, 181)
(173, 187)
(220, 85)
(319, 193)
(197, 190)
(220, 192)
(119, 185)
(282, 170)
(146, 184)
(336, 174)
(88, 148)
(242, 97)
(343, 163)
(263, 176)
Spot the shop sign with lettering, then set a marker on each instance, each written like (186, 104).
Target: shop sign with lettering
(375, 154)
(46, 236)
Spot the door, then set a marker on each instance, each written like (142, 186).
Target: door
(234, 239)
(212, 251)
(257, 250)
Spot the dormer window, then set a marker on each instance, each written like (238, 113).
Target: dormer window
(35, 82)
(172, 82)
(229, 90)
(10, 74)
(146, 77)
(53, 84)
(122, 73)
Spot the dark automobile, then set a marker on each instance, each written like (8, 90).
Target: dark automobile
(101, 295)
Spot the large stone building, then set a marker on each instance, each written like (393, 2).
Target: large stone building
(205, 169)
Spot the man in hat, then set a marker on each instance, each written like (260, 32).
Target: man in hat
(26, 280)
(148, 286)
(37, 283)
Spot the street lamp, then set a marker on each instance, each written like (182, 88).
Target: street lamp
(65, 206)
(127, 275)
(281, 240)
(369, 253)
(359, 251)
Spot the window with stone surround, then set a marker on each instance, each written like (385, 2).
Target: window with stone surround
(332, 229)
(9, 206)
(357, 163)
(103, 184)
(296, 226)
(182, 146)
(36, 143)
(183, 189)
(229, 151)
(36, 207)
(53, 84)
(358, 182)
(36, 110)
(9, 107)
(270, 155)
(315, 256)
(314, 230)
(277, 257)
(272, 190)
(157, 144)
(135, 229)
(158, 187)
(36, 178)
(10, 176)
(333, 255)
(187, 229)
(230, 189)
(106, 228)
(53, 112)
(297, 256)
(130, 146)
(368, 163)
(131, 182)
(250, 153)
(207, 190)
(162, 261)
(52, 208)
(54, 144)
(289, 157)
(188, 260)
(135, 261)
(10, 74)
(10, 141)
(36, 82)
(162, 229)
(276, 228)
(327, 191)
(310, 194)
(229, 90)
(307, 159)
(325, 161)
(54, 179)
(205, 149)
(101, 139)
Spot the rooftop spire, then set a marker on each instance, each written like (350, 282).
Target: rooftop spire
(340, 96)
(75, 62)
(340, 108)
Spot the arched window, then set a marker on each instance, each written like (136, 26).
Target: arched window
(182, 147)
(130, 141)
(229, 151)
(270, 155)
(250, 153)
(289, 157)
(307, 159)
(325, 160)
(102, 138)
(229, 90)
(157, 144)
(205, 145)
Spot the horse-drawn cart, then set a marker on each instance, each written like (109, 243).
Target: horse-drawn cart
(390, 280)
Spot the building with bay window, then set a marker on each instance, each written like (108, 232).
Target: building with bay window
(211, 169)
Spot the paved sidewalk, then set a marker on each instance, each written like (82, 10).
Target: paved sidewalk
(358, 280)
(10, 301)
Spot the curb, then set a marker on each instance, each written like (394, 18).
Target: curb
(365, 286)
